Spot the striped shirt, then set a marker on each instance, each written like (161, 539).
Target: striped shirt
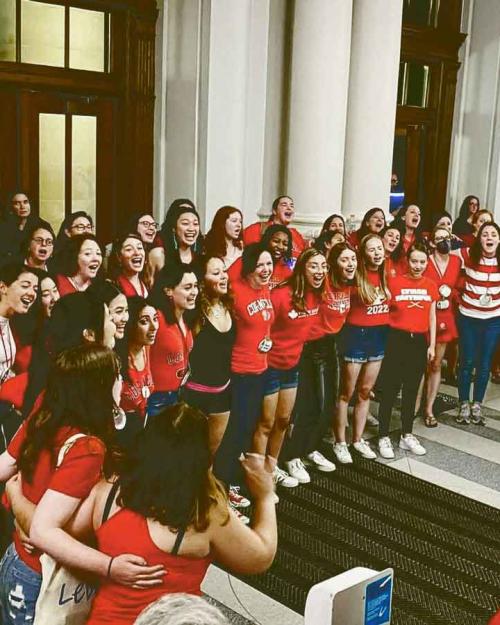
(480, 295)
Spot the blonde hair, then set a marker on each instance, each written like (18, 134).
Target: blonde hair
(367, 292)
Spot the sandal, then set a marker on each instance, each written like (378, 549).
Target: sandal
(430, 421)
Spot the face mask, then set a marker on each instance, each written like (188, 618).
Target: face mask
(444, 247)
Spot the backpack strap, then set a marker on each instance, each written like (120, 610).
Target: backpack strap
(67, 445)
(109, 501)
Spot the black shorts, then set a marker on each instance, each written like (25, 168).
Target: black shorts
(209, 403)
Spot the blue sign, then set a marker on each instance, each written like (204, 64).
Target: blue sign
(378, 601)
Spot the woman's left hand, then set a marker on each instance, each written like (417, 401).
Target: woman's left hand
(430, 354)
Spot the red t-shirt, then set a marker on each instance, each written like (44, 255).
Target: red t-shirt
(446, 326)
(254, 316)
(411, 302)
(169, 356)
(291, 327)
(78, 473)
(14, 389)
(128, 532)
(128, 288)
(64, 285)
(334, 310)
(374, 314)
(254, 232)
(138, 388)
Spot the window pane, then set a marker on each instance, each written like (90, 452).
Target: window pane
(8, 30)
(83, 166)
(86, 39)
(418, 83)
(421, 12)
(43, 46)
(51, 167)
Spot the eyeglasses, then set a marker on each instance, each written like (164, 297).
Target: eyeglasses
(46, 242)
(149, 224)
(82, 227)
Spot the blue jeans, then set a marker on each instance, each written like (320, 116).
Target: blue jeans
(246, 408)
(478, 340)
(160, 400)
(19, 588)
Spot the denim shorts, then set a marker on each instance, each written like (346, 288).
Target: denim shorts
(159, 400)
(363, 343)
(277, 379)
(19, 589)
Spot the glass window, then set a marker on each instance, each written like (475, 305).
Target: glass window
(84, 164)
(8, 30)
(86, 39)
(52, 130)
(413, 86)
(421, 12)
(42, 46)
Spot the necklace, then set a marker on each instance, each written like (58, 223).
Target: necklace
(217, 310)
(76, 285)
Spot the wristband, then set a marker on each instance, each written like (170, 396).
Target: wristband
(109, 567)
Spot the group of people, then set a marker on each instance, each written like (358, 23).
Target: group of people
(164, 384)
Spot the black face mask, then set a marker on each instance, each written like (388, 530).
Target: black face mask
(444, 247)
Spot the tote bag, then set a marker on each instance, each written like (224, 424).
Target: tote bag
(64, 599)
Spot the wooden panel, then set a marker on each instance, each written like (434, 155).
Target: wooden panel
(8, 144)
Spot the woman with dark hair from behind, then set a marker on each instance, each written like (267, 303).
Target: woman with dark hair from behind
(224, 239)
(174, 293)
(166, 506)
(462, 224)
(209, 385)
(77, 412)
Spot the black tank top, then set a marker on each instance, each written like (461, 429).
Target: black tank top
(210, 358)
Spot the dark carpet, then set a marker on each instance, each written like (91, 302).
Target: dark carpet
(444, 548)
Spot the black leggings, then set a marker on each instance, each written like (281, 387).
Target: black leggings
(403, 367)
(316, 396)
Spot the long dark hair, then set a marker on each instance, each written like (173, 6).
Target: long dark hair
(67, 259)
(326, 224)
(363, 230)
(122, 348)
(175, 210)
(167, 476)
(476, 251)
(168, 278)
(215, 239)
(79, 395)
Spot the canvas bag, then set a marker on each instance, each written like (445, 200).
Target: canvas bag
(64, 598)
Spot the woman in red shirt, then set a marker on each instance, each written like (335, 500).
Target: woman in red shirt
(393, 246)
(318, 371)
(410, 346)
(296, 306)
(127, 266)
(409, 222)
(77, 412)
(362, 346)
(254, 315)
(373, 223)
(78, 264)
(283, 211)
(174, 292)
(444, 269)
(167, 507)
(140, 335)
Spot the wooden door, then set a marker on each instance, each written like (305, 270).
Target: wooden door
(68, 156)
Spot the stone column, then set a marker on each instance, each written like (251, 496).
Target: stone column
(318, 106)
(371, 113)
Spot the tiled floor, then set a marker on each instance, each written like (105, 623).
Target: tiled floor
(464, 459)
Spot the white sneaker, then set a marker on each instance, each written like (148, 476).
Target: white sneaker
(372, 421)
(409, 442)
(281, 478)
(320, 462)
(342, 453)
(364, 449)
(297, 470)
(385, 448)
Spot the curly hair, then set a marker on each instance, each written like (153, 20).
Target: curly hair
(204, 299)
